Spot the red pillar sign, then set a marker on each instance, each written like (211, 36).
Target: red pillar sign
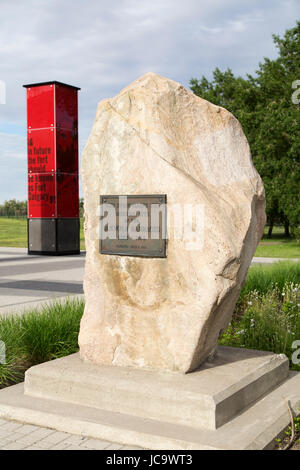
(53, 196)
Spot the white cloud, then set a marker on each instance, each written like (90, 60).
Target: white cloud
(13, 161)
(102, 46)
(12, 146)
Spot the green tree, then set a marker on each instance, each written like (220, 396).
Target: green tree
(278, 140)
(13, 208)
(270, 119)
(81, 208)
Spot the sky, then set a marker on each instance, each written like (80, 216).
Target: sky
(101, 46)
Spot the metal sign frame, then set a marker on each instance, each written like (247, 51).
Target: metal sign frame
(153, 248)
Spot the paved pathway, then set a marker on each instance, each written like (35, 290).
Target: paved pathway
(31, 281)
(261, 260)
(18, 436)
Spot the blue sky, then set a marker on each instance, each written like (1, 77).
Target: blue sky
(102, 46)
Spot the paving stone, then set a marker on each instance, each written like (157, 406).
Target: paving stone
(4, 433)
(18, 436)
(3, 443)
(14, 446)
(131, 448)
(56, 437)
(78, 448)
(35, 436)
(114, 447)
(44, 445)
(33, 448)
(41, 433)
(11, 426)
(74, 439)
(61, 446)
(96, 444)
(11, 436)
(27, 439)
(27, 428)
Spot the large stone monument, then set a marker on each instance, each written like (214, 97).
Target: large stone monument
(174, 210)
(156, 137)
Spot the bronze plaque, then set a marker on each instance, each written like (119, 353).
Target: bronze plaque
(133, 225)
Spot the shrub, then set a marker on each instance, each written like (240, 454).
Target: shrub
(268, 321)
(39, 336)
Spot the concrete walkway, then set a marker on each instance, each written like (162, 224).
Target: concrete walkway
(31, 281)
(18, 436)
(262, 260)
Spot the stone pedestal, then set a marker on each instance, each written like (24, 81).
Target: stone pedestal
(237, 401)
(206, 398)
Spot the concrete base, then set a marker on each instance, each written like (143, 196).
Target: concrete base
(54, 236)
(207, 398)
(235, 402)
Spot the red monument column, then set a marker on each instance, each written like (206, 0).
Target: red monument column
(53, 195)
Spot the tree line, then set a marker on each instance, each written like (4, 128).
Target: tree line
(14, 208)
(267, 106)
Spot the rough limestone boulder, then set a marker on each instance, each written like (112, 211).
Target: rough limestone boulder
(156, 137)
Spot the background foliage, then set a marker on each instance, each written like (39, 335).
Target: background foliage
(271, 121)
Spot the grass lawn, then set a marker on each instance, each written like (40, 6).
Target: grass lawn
(264, 278)
(285, 249)
(13, 232)
(278, 246)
